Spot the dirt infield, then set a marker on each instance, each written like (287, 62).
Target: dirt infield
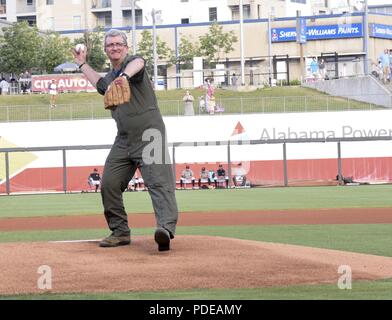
(193, 262)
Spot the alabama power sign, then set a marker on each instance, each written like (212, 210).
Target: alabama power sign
(65, 83)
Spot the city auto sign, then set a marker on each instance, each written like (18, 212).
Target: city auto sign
(65, 83)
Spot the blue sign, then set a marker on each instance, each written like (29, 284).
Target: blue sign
(335, 31)
(301, 31)
(380, 31)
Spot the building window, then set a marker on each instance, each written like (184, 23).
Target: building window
(31, 20)
(49, 2)
(127, 17)
(29, 2)
(3, 6)
(185, 21)
(235, 12)
(77, 22)
(299, 1)
(213, 14)
(104, 20)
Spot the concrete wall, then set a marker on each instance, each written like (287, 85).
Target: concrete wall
(364, 88)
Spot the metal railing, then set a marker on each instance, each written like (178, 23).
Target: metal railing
(92, 111)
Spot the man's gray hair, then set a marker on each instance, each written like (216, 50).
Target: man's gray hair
(116, 33)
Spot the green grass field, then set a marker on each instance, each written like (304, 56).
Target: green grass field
(76, 106)
(373, 239)
(205, 200)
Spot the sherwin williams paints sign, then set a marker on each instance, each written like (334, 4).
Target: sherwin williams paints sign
(380, 31)
(334, 31)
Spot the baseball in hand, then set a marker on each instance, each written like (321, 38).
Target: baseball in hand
(80, 47)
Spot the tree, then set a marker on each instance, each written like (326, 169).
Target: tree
(55, 50)
(216, 42)
(187, 51)
(96, 57)
(145, 49)
(19, 48)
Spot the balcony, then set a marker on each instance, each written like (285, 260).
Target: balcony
(245, 2)
(101, 6)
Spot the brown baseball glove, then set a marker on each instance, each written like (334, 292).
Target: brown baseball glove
(117, 93)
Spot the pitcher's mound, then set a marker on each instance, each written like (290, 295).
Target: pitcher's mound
(193, 262)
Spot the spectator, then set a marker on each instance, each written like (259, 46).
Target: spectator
(25, 81)
(53, 93)
(188, 104)
(376, 70)
(239, 178)
(202, 104)
(13, 79)
(390, 64)
(314, 68)
(94, 179)
(322, 69)
(210, 99)
(385, 61)
(234, 80)
(4, 86)
(221, 177)
(187, 177)
(204, 177)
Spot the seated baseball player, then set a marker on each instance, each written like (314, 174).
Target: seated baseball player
(187, 177)
(204, 177)
(131, 185)
(239, 177)
(94, 179)
(136, 184)
(221, 177)
(139, 183)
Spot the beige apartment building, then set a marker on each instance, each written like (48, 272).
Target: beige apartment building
(67, 15)
(270, 50)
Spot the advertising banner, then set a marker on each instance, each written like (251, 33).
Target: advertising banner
(335, 31)
(65, 83)
(301, 31)
(380, 31)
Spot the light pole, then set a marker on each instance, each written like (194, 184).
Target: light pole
(154, 45)
(242, 43)
(269, 50)
(366, 37)
(133, 27)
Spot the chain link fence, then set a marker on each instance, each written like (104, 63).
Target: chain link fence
(92, 111)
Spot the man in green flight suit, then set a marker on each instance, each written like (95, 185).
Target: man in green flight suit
(140, 144)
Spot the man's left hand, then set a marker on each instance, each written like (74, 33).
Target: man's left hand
(117, 93)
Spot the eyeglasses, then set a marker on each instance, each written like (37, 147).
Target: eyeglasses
(115, 44)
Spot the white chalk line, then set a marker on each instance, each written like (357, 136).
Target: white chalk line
(75, 241)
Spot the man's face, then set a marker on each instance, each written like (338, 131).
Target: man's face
(115, 48)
